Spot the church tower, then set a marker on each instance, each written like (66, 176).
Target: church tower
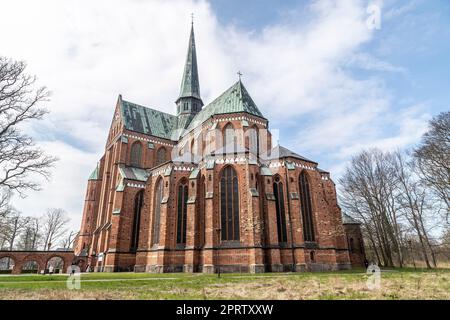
(189, 102)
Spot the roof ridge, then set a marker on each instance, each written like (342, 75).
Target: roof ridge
(347, 219)
(140, 105)
(210, 109)
(220, 96)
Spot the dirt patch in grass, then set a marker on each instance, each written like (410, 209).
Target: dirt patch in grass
(394, 285)
(425, 286)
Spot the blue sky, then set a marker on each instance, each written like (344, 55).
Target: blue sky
(414, 38)
(329, 85)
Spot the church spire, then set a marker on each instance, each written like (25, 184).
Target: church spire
(190, 85)
(189, 102)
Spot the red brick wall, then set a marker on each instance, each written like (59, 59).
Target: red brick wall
(356, 251)
(258, 248)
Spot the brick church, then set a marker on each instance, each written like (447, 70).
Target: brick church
(206, 190)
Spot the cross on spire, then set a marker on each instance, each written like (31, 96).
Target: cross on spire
(239, 73)
(192, 18)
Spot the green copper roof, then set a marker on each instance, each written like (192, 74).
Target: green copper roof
(234, 100)
(132, 173)
(279, 152)
(120, 187)
(346, 219)
(147, 121)
(184, 120)
(190, 85)
(194, 173)
(94, 174)
(265, 171)
(290, 165)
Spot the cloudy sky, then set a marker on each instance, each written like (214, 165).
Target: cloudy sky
(329, 82)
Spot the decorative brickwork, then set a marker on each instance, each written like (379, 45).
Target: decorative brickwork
(237, 190)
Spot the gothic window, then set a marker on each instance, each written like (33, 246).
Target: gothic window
(186, 106)
(202, 212)
(138, 202)
(279, 204)
(229, 139)
(351, 245)
(254, 140)
(193, 148)
(157, 211)
(182, 211)
(306, 207)
(229, 204)
(161, 156)
(136, 154)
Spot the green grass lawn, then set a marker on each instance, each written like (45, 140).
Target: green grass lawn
(395, 284)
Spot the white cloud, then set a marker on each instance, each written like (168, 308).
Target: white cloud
(87, 52)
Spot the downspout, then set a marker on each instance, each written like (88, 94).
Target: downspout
(294, 263)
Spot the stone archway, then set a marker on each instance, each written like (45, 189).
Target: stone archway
(30, 266)
(55, 264)
(40, 257)
(6, 265)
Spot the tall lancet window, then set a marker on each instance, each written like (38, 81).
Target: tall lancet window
(306, 207)
(136, 154)
(254, 140)
(157, 211)
(279, 204)
(229, 204)
(138, 202)
(182, 211)
(201, 211)
(229, 139)
(161, 155)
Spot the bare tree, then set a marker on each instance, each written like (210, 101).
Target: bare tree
(368, 192)
(15, 223)
(31, 235)
(5, 206)
(4, 228)
(433, 158)
(416, 205)
(67, 241)
(54, 226)
(444, 247)
(20, 102)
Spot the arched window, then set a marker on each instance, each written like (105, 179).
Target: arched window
(193, 149)
(351, 245)
(305, 201)
(182, 211)
(229, 139)
(201, 209)
(279, 204)
(361, 245)
(161, 156)
(138, 202)
(229, 204)
(136, 154)
(253, 143)
(157, 211)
